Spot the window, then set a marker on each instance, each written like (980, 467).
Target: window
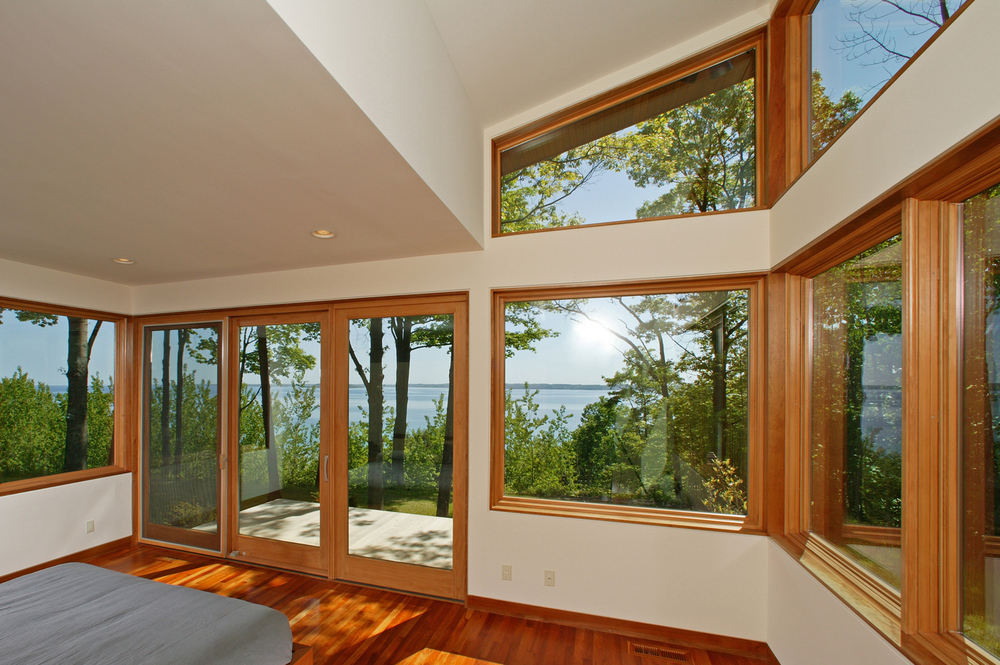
(980, 423)
(57, 392)
(181, 435)
(857, 408)
(857, 46)
(679, 142)
(635, 402)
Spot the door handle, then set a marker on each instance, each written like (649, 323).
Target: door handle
(326, 468)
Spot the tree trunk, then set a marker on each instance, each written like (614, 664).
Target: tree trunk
(719, 384)
(402, 332)
(448, 453)
(375, 387)
(273, 484)
(182, 338)
(165, 407)
(76, 396)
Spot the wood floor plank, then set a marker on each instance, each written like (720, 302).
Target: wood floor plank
(352, 625)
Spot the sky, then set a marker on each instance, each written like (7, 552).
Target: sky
(831, 22)
(42, 353)
(584, 352)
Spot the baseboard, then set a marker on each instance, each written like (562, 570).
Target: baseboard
(736, 646)
(92, 552)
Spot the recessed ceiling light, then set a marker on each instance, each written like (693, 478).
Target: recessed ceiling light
(124, 261)
(324, 233)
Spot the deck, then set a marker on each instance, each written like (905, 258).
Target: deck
(423, 540)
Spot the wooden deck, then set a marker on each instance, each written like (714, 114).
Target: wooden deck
(423, 540)
(347, 624)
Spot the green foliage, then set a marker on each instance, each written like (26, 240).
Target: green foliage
(33, 427)
(829, 117)
(538, 455)
(706, 149)
(726, 492)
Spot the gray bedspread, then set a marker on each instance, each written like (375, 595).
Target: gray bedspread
(77, 614)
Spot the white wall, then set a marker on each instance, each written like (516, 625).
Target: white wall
(942, 98)
(808, 625)
(389, 57)
(19, 280)
(51, 523)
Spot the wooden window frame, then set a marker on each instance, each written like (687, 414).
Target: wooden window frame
(926, 208)
(789, 140)
(752, 522)
(754, 39)
(121, 458)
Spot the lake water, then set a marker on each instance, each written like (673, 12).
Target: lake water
(421, 401)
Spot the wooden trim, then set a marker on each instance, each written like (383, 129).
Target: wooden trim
(924, 346)
(314, 560)
(90, 552)
(753, 39)
(872, 598)
(440, 583)
(843, 242)
(754, 520)
(684, 215)
(144, 530)
(118, 462)
(55, 480)
(792, 7)
(689, 638)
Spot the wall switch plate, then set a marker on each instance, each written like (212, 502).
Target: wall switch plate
(90, 526)
(550, 578)
(505, 573)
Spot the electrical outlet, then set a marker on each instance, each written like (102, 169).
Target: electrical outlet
(90, 526)
(550, 578)
(505, 572)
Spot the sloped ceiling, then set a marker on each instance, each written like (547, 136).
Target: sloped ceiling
(205, 139)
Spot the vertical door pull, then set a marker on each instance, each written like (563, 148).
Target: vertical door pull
(326, 468)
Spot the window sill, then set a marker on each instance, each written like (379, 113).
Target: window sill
(43, 482)
(877, 602)
(629, 514)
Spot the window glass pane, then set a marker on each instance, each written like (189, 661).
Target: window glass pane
(400, 439)
(857, 46)
(689, 146)
(857, 408)
(181, 442)
(57, 377)
(634, 400)
(981, 407)
(279, 432)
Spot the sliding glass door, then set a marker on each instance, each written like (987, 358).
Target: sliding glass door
(281, 468)
(400, 445)
(181, 441)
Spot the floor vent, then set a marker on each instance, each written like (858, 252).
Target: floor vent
(653, 651)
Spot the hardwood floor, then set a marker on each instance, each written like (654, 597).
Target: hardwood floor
(347, 624)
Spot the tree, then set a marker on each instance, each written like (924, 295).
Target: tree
(706, 149)
(875, 44)
(80, 346)
(373, 381)
(829, 118)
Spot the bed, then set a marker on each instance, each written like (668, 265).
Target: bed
(78, 614)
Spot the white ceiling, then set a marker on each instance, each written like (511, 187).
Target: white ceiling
(515, 54)
(203, 139)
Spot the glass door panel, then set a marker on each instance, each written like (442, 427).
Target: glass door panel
(401, 428)
(181, 436)
(280, 464)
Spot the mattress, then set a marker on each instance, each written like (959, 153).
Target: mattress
(77, 614)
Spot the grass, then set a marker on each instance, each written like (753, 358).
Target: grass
(410, 500)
